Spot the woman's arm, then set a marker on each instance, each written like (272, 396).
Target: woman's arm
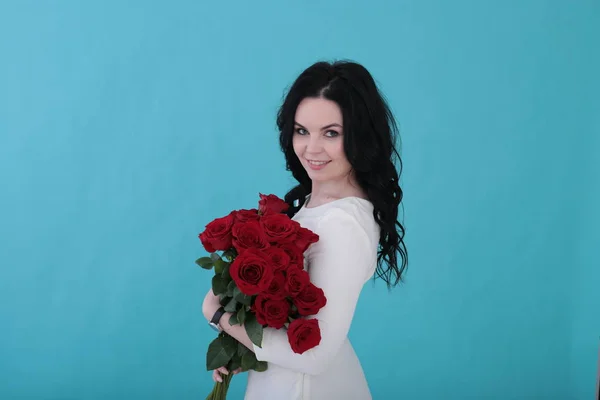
(340, 264)
(238, 332)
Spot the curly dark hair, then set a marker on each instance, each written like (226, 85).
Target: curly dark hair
(370, 133)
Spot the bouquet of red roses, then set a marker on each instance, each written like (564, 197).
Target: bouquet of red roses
(260, 279)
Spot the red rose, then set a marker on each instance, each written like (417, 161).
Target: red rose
(304, 238)
(304, 334)
(271, 312)
(246, 215)
(310, 300)
(296, 256)
(218, 234)
(276, 289)
(297, 280)
(280, 258)
(249, 235)
(251, 272)
(271, 204)
(279, 228)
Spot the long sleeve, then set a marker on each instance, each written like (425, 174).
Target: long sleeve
(340, 263)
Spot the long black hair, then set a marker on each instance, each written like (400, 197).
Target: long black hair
(370, 134)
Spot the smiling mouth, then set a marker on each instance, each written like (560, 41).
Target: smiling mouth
(317, 163)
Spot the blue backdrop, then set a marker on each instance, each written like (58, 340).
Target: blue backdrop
(125, 128)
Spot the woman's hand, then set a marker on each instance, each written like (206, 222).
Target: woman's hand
(210, 305)
(222, 370)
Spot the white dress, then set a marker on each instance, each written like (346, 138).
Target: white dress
(340, 263)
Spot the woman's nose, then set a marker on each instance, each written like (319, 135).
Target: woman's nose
(314, 145)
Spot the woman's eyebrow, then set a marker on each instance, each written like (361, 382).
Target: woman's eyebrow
(325, 127)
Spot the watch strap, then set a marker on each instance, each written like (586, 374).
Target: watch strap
(217, 317)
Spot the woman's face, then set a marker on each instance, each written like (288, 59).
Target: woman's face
(318, 139)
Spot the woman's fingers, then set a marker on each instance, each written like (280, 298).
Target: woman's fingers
(223, 370)
(217, 374)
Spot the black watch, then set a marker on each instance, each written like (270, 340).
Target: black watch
(214, 322)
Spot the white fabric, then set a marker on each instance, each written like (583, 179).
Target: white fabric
(340, 263)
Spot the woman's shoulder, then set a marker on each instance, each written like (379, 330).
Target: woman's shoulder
(348, 207)
(348, 216)
(348, 229)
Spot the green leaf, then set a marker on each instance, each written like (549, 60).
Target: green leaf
(231, 306)
(218, 285)
(236, 362)
(233, 320)
(215, 256)
(219, 353)
(219, 266)
(205, 262)
(241, 315)
(229, 343)
(261, 366)
(248, 361)
(225, 272)
(254, 329)
(241, 297)
(224, 299)
(241, 350)
(230, 288)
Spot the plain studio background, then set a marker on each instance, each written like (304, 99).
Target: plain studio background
(124, 129)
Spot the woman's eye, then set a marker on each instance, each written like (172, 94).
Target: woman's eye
(331, 134)
(301, 131)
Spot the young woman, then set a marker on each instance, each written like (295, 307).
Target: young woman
(338, 137)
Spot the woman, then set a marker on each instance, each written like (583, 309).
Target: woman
(338, 137)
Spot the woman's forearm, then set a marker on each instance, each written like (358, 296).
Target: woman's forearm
(238, 332)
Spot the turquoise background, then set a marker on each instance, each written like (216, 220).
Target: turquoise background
(126, 126)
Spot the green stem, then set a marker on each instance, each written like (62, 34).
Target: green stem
(220, 389)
